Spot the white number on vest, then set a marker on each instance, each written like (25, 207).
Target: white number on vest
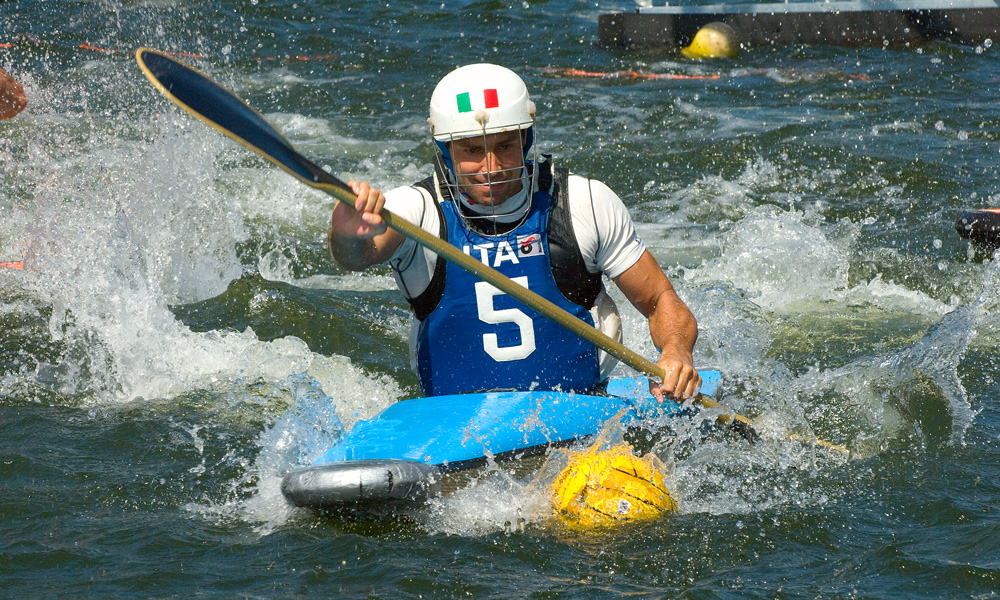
(485, 293)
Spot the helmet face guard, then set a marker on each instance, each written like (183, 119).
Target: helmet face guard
(478, 101)
(528, 135)
(496, 174)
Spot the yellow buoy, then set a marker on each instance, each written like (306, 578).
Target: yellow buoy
(715, 40)
(605, 487)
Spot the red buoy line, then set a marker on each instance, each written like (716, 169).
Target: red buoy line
(570, 72)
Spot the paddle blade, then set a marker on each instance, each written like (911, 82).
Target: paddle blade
(215, 105)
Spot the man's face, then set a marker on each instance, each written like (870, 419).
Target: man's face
(489, 168)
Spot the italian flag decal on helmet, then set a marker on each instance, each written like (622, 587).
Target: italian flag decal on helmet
(464, 100)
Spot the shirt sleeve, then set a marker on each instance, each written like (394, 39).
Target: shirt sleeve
(603, 226)
(412, 264)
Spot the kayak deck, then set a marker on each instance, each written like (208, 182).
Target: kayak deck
(404, 453)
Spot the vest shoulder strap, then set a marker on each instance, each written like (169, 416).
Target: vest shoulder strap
(579, 285)
(427, 301)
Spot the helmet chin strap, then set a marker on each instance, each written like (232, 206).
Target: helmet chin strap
(445, 156)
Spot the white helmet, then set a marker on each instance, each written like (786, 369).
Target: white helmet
(479, 99)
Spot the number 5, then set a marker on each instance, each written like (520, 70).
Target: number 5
(488, 314)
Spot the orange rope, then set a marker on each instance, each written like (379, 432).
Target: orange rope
(624, 74)
(96, 49)
(320, 57)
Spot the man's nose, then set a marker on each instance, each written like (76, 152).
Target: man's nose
(492, 161)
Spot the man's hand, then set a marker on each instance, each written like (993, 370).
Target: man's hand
(681, 381)
(364, 220)
(359, 237)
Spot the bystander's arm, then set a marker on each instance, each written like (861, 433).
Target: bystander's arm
(12, 98)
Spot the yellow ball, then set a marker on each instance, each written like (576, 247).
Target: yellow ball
(715, 40)
(600, 488)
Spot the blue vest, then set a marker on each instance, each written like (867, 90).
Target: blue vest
(479, 338)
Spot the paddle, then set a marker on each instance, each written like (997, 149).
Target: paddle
(223, 110)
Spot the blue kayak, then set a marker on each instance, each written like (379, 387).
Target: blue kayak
(401, 454)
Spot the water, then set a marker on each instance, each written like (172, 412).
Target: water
(179, 339)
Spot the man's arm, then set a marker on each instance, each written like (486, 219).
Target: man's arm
(672, 327)
(358, 237)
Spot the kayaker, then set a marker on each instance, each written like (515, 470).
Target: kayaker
(554, 232)
(12, 98)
